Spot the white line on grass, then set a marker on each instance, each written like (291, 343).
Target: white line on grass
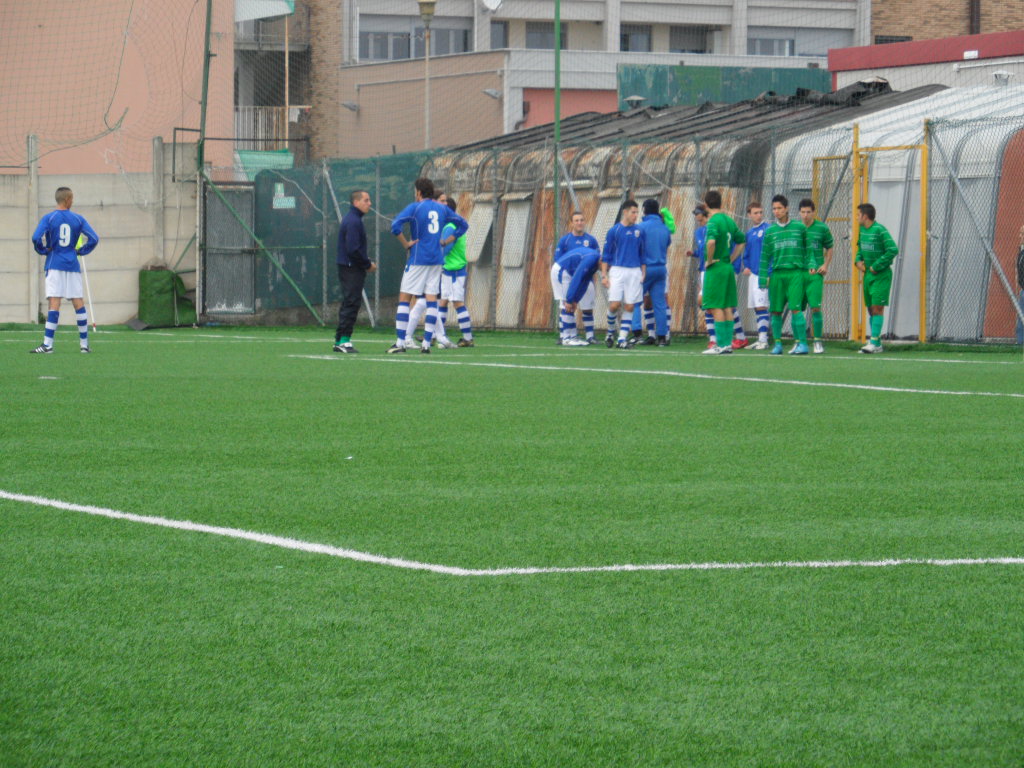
(415, 565)
(679, 374)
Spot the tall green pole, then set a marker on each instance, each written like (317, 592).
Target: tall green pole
(558, 114)
(201, 150)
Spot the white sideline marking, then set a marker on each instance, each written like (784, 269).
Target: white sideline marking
(414, 565)
(679, 374)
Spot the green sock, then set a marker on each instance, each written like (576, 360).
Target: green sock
(818, 323)
(723, 333)
(344, 339)
(776, 327)
(800, 327)
(876, 329)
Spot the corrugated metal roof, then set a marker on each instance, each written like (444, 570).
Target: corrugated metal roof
(786, 115)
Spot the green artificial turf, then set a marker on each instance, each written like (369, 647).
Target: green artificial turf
(128, 644)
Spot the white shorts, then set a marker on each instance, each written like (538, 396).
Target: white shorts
(700, 282)
(626, 285)
(63, 285)
(755, 296)
(453, 288)
(558, 289)
(422, 279)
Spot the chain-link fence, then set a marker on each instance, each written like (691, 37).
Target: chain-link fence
(967, 202)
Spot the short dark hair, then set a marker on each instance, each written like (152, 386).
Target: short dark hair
(575, 214)
(650, 206)
(867, 209)
(626, 206)
(357, 194)
(700, 210)
(807, 203)
(451, 202)
(425, 187)
(437, 194)
(62, 194)
(713, 198)
(754, 204)
(781, 199)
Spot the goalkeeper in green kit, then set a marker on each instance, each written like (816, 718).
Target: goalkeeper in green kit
(875, 253)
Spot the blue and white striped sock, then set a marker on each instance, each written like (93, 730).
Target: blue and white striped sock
(568, 323)
(709, 322)
(417, 311)
(625, 325)
(588, 322)
(668, 324)
(402, 320)
(442, 315)
(52, 318)
(762, 325)
(428, 324)
(737, 324)
(465, 325)
(649, 321)
(611, 323)
(83, 327)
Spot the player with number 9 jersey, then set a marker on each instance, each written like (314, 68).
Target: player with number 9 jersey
(57, 236)
(426, 220)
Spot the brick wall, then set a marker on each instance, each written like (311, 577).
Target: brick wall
(933, 19)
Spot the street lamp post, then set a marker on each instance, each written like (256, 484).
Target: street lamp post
(427, 14)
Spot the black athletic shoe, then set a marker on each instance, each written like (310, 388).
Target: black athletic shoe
(609, 341)
(42, 349)
(424, 350)
(661, 341)
(465, 343)
(648, 342)
(394, 349)
(345, 349)
(84, 350)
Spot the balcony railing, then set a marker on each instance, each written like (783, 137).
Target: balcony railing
(266, 127)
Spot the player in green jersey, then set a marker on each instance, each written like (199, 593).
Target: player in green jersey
(819, 256)
(784, 272)
(876, 251)
(723, 244)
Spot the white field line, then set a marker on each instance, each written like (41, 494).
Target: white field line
(415, 565)
(679, 374)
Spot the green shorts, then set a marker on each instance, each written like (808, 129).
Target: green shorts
(719, 286)
(877, 288)
(815, 289)
(786, 286)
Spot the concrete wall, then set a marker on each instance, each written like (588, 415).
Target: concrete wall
(953, 74)
(133, 234)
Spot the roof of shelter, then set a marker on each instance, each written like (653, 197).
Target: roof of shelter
(787, 115)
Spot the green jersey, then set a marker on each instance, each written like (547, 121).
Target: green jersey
(785, 247)
(455, 259)
(819, 240)
(726, 233)
(875, 247)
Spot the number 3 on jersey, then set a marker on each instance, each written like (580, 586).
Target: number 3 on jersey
(433, 227)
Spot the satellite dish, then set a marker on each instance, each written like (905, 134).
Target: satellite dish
(491, 5)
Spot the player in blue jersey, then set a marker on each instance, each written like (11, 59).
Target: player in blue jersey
(622, 273)
(426, 218)
(562, 273)
(757, 299)
(657, 239)
(57, 238)
(418, 307)
(578, 237)
(582, 279)
(700, 216)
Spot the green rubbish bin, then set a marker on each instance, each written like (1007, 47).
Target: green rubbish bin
(162, 301)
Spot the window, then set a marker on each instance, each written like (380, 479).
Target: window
(499, 35)
(635, 37)
(766, 46)
(382, 46)
(688, 40)
(883, 39)
(541, 34)
(443, 41)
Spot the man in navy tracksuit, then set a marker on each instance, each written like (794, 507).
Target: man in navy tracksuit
(353, 266)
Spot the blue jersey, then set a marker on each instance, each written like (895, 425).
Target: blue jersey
(569, 241)
(656, 240)
(56, 238)
(752, 254)
(589, 261)
(426, 220)
(624, 246)
(699, 238)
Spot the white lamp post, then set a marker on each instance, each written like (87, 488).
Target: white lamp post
(427, 14)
